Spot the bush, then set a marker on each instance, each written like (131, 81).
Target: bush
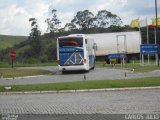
(31, 61)
(44, 59)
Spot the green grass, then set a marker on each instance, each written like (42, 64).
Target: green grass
(10, 73)
(8, 40)
(137, 67)
(18, 64)
(97, 84)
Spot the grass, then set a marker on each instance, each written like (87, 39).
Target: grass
(8, 40)
(137, 67)
(10, 73)
(18, 64)
(97, 84)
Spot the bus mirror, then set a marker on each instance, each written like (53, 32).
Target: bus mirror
(95, 47)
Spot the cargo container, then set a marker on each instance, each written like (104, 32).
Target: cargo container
(119, 42)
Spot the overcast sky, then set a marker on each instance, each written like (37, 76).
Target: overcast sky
(14, 14)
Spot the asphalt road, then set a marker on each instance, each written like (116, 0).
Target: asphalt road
(110, 102)
(97, 74)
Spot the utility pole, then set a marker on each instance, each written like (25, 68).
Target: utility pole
(156, 26)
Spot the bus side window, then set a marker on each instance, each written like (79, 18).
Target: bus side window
(86, 41)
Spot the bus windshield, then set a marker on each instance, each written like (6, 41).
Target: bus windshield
(71, 41)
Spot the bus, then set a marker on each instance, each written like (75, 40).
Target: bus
(76, 52)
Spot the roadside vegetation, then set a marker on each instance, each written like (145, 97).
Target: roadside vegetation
(9, 41)
(135, 67)
(19, 64)
(41, 48)
(97, 84)
(12, 73)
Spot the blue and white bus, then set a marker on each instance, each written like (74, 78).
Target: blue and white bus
(76, 52)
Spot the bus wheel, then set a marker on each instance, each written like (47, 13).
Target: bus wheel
(64, 72)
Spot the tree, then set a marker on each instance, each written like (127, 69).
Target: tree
(35, 34)
(34, 28)
(105, 19)
(69, 26)
(53, 23)
(84, 19)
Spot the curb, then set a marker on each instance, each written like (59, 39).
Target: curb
(81, 91)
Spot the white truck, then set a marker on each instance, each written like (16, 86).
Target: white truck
(119, 42)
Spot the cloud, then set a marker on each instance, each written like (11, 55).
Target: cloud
(14, 14)
(65, 18)
(127, 9)
(15, 17)
(109, 5)
(141, 7)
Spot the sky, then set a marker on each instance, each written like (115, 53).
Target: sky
(15, 14)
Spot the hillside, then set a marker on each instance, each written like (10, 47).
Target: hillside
(9, 41)
(25, 52)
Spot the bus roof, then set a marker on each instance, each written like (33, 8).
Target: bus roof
(74, 35)
(78, 35)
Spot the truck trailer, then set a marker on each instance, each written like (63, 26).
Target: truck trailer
(119, 42)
